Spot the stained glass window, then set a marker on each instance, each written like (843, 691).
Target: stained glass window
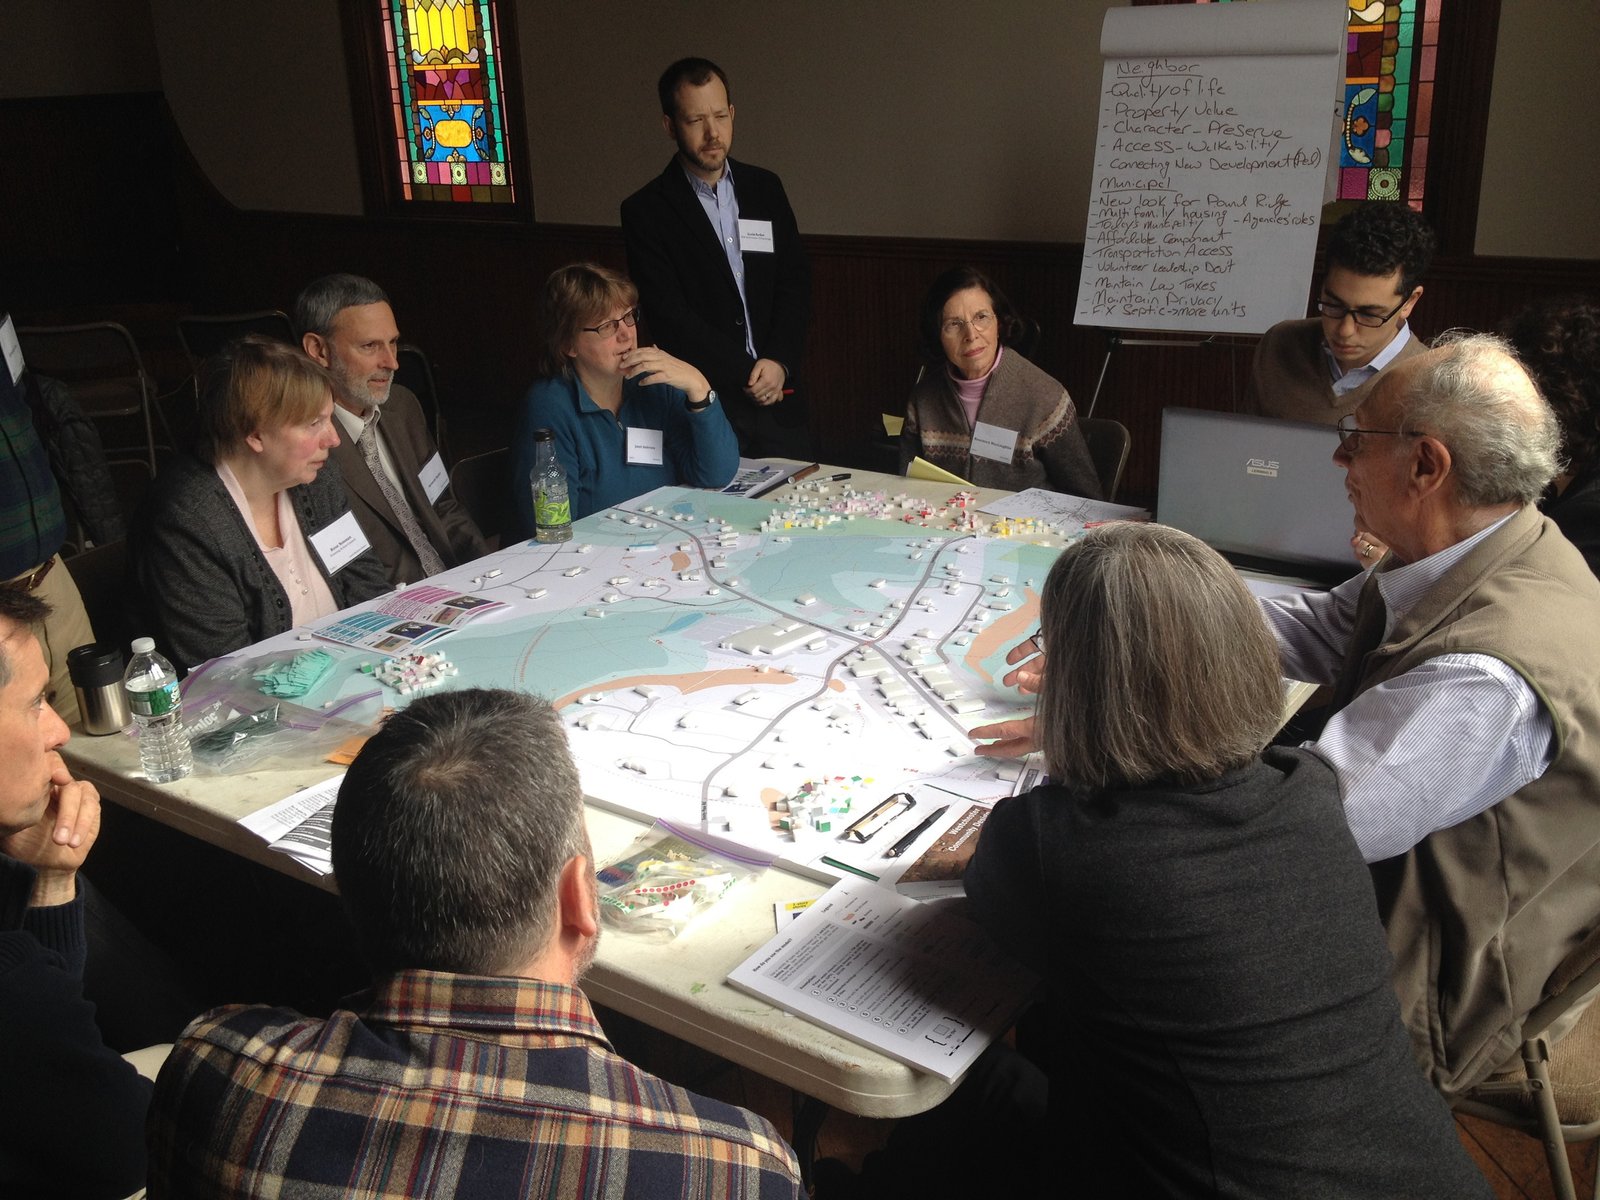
(1391, 56)
(448, 101)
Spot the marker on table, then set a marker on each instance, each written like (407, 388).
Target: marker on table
(904, 844)
(837, 478)
(880, 816)
(844, 866)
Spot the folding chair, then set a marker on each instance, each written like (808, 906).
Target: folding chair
(482, 484)
(1555, 1095)
(416, 373)
(203, 335)
(1108, 442)
(100, 363)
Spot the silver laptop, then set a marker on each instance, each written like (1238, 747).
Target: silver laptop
(1263, 491)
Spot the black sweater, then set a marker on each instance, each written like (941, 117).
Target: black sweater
(71, 1109)
(1220, 1007)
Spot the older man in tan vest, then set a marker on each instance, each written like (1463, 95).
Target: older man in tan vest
(1466, 711)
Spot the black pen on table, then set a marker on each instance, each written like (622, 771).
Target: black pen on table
(904, 844)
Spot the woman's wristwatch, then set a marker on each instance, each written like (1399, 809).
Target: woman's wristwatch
(702, 405)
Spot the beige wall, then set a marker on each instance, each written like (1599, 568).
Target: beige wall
(81, 48)
(926, 118)
(919, 118)
(1541, 165)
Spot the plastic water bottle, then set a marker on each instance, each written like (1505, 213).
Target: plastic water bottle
(552, 511)
(157, 709)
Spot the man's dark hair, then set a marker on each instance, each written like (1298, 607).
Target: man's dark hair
(1559, 342)
(18, 607)
(452, 828)
(324, 299)
(1381, 237)
(931, 315)
(696, 72)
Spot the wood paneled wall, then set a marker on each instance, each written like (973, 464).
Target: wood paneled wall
(468, 293)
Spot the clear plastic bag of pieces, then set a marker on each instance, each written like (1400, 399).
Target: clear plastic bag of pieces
(671, 877)
(233, 726)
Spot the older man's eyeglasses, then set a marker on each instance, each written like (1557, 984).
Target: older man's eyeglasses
(981, 322)
(1334, 310)
(1350, 436)
(606, 328)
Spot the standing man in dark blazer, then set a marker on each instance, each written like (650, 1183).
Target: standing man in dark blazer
(723, 280)
(398, 485)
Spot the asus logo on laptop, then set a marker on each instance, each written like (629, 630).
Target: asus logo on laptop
(1262, 466)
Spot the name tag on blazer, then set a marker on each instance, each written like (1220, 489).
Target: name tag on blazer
(755, 237)
(433, 478)
(338, 544)
(993, 441)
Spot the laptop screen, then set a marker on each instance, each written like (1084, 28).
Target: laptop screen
(1263, 491)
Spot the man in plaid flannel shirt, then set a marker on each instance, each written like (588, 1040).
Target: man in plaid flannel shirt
(475, 1066)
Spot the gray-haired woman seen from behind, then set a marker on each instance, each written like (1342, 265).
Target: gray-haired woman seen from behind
(1220, 1016)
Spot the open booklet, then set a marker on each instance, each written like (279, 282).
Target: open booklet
(916, 981)
(408, 620)
(302, 825)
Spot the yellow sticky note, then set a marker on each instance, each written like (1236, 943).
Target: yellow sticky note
(921, 468)
(892, 425)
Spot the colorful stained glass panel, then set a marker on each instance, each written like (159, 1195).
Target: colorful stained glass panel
(1390, 52)
(447, 101)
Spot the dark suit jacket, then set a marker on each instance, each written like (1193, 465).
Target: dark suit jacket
(446, 523)
(690, 300)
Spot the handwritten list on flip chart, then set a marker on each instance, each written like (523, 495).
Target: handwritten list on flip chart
(1215, 127)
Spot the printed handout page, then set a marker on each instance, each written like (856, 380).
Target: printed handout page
(916, 981)
(758, 476)
(301, 826)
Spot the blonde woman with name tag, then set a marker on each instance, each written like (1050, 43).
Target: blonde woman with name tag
(254, 534)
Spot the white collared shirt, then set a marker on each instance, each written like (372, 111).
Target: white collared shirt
(721, 207)
(1429, 748)
(1346, 381)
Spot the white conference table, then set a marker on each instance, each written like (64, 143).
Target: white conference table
(678, 987)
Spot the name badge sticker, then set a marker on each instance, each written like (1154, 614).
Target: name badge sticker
(644, 447)
(11, 347)
(433, 478)
(993, 442)
(337, 544)
(755, 237)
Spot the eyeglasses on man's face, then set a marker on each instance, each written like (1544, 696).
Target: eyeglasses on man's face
(1350, 436)
(1336, 310)
(981, 322)
(606, 328)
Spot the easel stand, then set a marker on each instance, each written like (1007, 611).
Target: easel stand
(1114, 340)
